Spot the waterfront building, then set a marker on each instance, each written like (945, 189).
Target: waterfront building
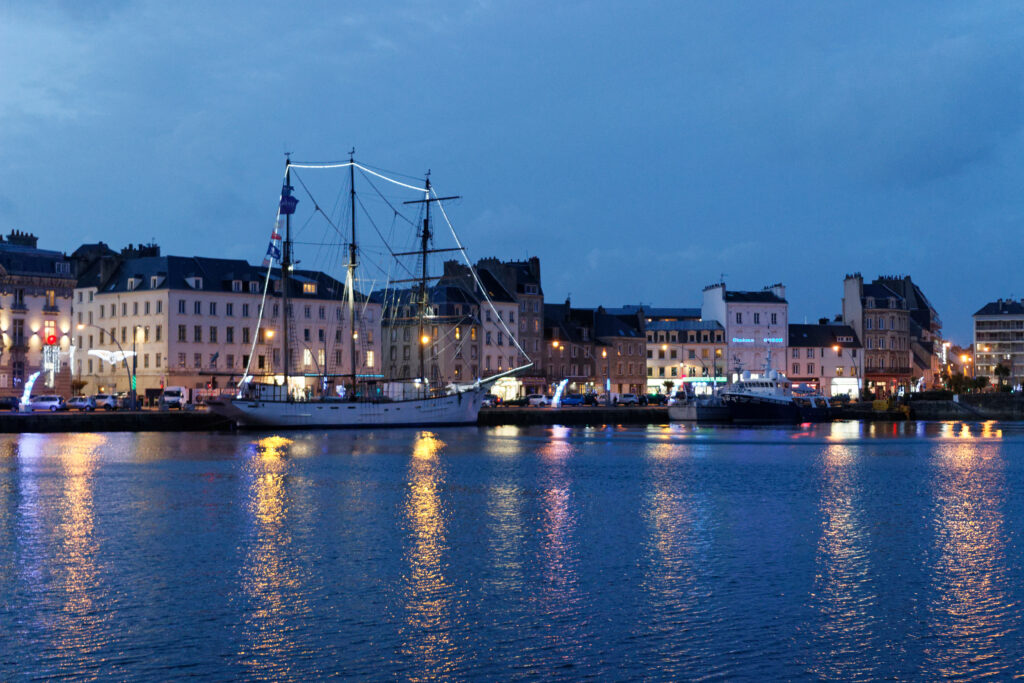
(684, 351)
(825, 358)
(593, 349)
(466, 335)
(523, 280)
(999, 340)
(925, 327)
(880, 317)
(36, 287)
(755, 324)
(191, 322)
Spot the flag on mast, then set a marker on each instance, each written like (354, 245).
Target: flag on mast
(285, 207)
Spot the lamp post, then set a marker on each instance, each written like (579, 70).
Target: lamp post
(607, 379)
(135, 365)
(82, 326)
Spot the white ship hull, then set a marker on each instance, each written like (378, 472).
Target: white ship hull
(456, 409)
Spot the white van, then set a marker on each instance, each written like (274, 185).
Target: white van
(174, 397)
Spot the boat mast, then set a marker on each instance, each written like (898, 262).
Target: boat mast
(352, 269)
(424, 239)
(286, 263)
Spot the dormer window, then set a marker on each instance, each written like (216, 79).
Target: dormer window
(309, 288)
(153, 281)
(870, 303)
(254, 287)
(132, 283)
(194, 282)
(236, 285)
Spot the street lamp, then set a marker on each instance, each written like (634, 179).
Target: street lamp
(607, 379)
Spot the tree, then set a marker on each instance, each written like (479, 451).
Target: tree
(668, 386)
(1002, 372)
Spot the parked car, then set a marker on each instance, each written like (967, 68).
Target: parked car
(83, 403)
(627, 400)
(590, 399)
(490, 401)
(124, 401)
(48, 402)
(538, 400)
(572, 400)
(10, 403)
(656, 399)
(105, 401)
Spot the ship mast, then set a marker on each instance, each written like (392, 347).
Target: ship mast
(350, 285)
(286, 264)
(424, 250)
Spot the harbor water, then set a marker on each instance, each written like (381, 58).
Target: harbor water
(843, 551)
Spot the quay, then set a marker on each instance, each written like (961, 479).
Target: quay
(977, 408)
(119, 421)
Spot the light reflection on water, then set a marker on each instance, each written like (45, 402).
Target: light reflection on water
(843, 551)
(974, 615)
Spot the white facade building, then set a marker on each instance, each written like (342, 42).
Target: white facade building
(756, 326)
(191, 322)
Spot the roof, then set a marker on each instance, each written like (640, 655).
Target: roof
(880, 292)
(762, 297)
(17, 259)
(822, 336)
(199, 273)
(684, 325)
(1002, 307)
(657, 312)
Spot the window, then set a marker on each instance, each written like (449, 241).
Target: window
(867, 323)
(796, 352)
(739, 318)
(236, 285)
(182, 333)
(213, 308)
(323, 313)
(181, 306)
(881, 323)
(321, 335)
(197, 360)
(245, 335)
(245, 310)
(229, 309)
(309, 288)
(757, 318)
(197, 307)
(158, 357)
(308, 310)
(810, 353)
(213, 335)
(159, 329)
(810, 368)
(181, 360)
(369, 358)
(159, 307)
(775, 318)
(796, 368)
(197, 334)
(231, 357)
(213, 360)
(229, 335)
(305, 334)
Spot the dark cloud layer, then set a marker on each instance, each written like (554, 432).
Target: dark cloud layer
(640, 149)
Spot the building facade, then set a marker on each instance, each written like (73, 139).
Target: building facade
(684, 352)
(36, 287)
(756, 325)
(825, 358)
(999, 340)
(880, 317)
(192, 322)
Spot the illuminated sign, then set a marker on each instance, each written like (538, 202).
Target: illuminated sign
(740, 340)
(772, 340)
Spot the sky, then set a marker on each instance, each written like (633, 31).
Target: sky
(641, 150)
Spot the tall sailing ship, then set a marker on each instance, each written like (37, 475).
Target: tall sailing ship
(358, 400)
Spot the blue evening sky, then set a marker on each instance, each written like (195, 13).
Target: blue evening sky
(640, 149)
